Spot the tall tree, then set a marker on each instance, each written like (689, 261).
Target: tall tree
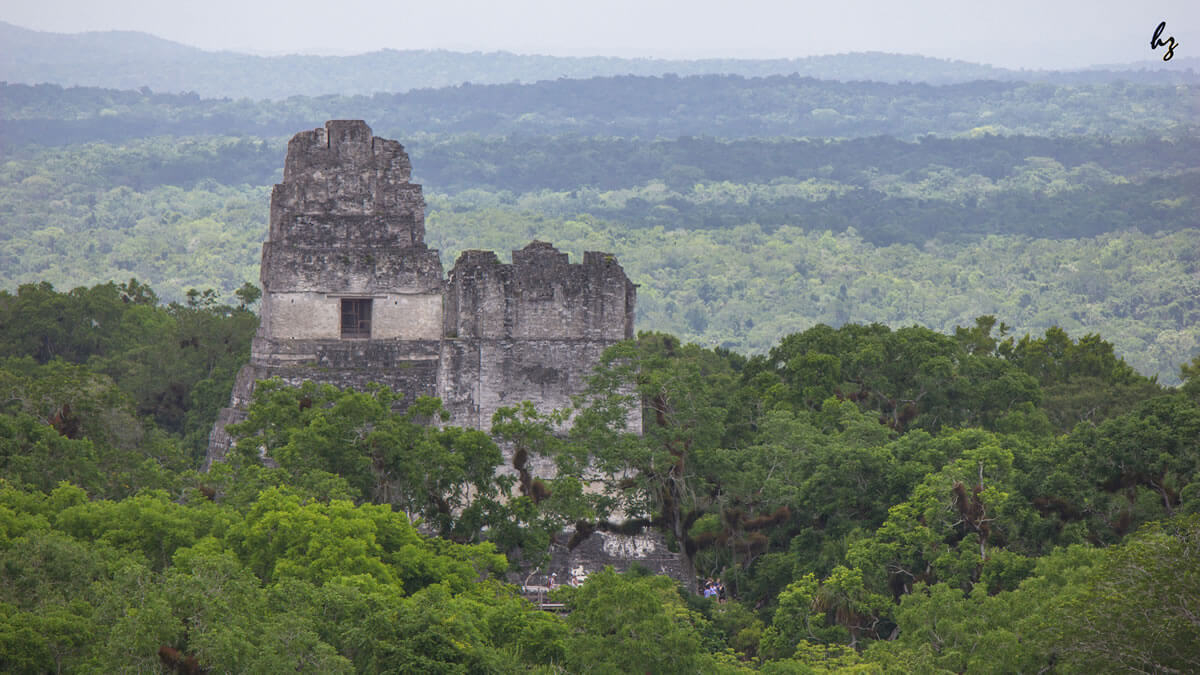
(661, 473)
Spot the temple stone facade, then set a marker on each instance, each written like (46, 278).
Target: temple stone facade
(352, 295)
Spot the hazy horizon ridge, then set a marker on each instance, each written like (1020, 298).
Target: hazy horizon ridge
(322, 52)
(122, 59)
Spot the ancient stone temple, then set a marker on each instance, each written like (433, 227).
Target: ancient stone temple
(352, 295)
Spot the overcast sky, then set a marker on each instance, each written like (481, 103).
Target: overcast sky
(1015, 33)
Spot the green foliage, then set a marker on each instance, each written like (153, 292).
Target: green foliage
(912, 377)
(943, 630)
(1082, 233)
(64, 422)
(656, 474)
(1129, 470)
(322, 438)
(280, 537)
(874, 498)
(148, 523)
(1081, 609)
(285, 586)
(1137, 608)
(795, 621)
(525, 524)
(948, 527)
(177, 362)
(626, 623)
(866, 546)
(786, 104)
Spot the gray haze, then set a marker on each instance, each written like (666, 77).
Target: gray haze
(1038, 34)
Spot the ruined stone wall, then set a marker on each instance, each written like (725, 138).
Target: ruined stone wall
(346, 223)
(347, 229)
(539, 296)
(531, 330)
(619, 551)
(336, 175)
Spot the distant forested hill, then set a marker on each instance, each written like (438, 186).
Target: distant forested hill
(128, 60)
(888, 191)
(1092, 236)
(722, 106)
(1045, 205)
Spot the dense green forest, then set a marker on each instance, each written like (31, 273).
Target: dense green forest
(873, 499)
(920, 371)
(736, 241)
(724, 106)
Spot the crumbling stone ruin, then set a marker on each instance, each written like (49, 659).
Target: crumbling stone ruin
(352, 295)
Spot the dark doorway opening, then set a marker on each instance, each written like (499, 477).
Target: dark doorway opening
(356, 317)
